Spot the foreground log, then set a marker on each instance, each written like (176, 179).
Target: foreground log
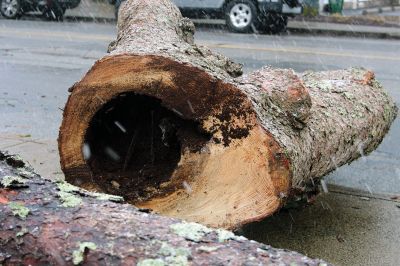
(45, 223)
(176, 128)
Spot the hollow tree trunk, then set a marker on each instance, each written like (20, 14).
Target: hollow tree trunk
(45, 223)
(178, 129)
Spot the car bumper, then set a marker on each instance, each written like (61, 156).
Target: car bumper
(292, 10)
(277, 6)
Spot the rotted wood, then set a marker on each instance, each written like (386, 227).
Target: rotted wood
(46, 223)
(174, 127)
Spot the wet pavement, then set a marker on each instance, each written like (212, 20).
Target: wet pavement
(343, 227)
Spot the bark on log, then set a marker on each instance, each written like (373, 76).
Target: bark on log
(176, 128)
(46, 223)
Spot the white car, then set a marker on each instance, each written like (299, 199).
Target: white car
(243, 15)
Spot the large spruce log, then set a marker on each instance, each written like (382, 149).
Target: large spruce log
(46, 223)
(176, 128)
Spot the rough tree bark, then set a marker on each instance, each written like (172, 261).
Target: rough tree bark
(178, 129)
(45, 223)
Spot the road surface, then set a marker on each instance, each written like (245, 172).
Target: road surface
(39, 61)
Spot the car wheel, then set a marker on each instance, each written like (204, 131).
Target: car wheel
(10, 8)
(275, 23)
(55, 12)
(241, 15)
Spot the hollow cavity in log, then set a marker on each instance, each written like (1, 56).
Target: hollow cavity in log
(136, 144)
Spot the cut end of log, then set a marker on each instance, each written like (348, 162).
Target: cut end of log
(169, 137)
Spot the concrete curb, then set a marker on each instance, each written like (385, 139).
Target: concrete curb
(378, 10)
(336, 32)
(355, 20)
(316, 28)
(89, 19)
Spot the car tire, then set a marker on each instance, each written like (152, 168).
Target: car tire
(274, 23)
(241, 16)
(55, 12)
(10, 9)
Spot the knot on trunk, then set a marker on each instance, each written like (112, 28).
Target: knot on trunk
(186, 30)
(111, 46)
(282, 93)
(234, 69)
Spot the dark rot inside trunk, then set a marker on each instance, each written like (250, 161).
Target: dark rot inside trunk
(134, 144)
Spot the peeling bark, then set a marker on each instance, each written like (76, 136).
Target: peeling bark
(37, 227)
(210, 145)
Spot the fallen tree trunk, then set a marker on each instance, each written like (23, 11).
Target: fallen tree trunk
(178, 129)
(46, 223)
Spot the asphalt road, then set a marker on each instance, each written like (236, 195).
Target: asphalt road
(39, 61)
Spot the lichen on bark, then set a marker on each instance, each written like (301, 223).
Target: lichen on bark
(19, 209)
